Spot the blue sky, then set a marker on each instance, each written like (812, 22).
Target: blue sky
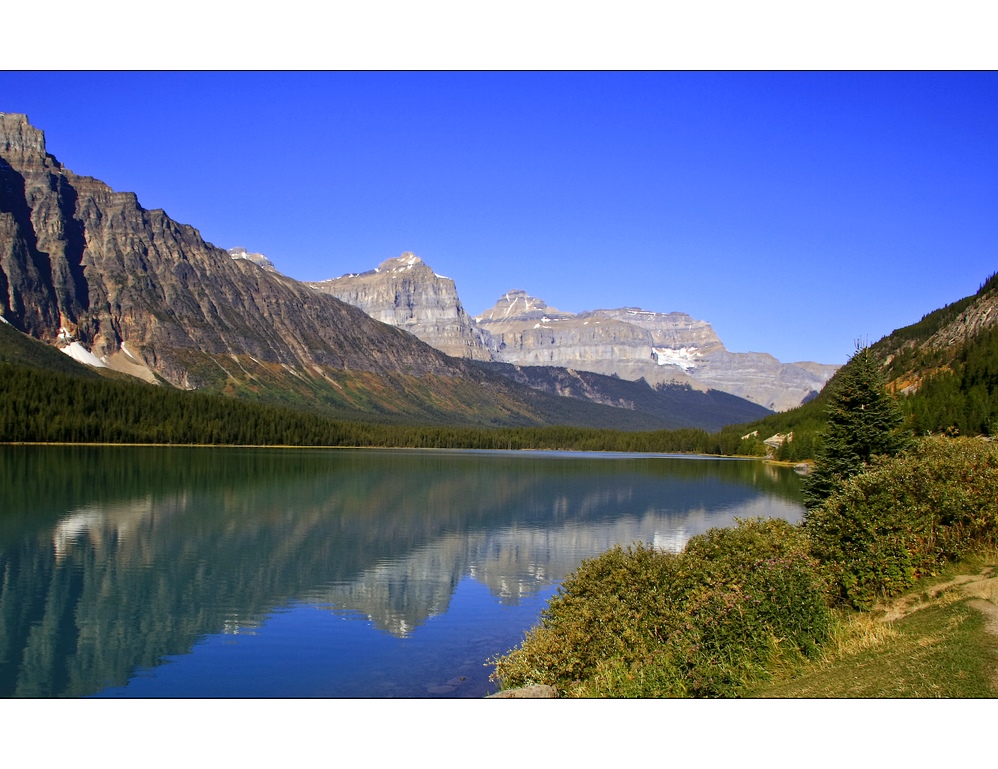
(797, 212)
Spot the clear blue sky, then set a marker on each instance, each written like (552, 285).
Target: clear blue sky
(797, 212)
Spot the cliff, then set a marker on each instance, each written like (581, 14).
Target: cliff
(82, 262)
(404, 292)
(660, 348)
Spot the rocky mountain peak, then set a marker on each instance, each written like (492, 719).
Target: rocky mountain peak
(518, 304)
(405, 292)
(17, 135)
(403, 263)
(258, 259)
(21, 144)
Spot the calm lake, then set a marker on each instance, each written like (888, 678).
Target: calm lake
(198, 572)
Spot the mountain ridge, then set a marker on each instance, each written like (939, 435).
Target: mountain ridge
(87, 269)
(630, 342)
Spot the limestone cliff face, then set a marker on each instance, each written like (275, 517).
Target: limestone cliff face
(980, 315)
(404, 292)
(528, 332)
(762, 379)
(629, 342)
(935, 343)
(669, 330)
(632, 343)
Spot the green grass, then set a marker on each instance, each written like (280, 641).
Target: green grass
(940, 649)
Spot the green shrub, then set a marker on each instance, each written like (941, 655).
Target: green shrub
(655, 676)
(705, 622)
(750, 590)
(614, 607)
(882, 530)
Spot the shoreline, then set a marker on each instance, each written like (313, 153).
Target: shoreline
(672, 454)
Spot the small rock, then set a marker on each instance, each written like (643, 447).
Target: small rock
(539, 692)
(440, 689)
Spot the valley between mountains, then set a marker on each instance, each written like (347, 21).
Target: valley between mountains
(128, 291)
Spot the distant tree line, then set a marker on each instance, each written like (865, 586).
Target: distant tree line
(50, 407)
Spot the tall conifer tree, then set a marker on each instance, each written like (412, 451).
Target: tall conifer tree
(864, 421)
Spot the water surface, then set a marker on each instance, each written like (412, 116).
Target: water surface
(198, 572)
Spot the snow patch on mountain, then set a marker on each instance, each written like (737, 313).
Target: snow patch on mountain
(79, 353)
(685, 358)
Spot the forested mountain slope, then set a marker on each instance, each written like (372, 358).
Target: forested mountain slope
(947, 365)
(943, 369)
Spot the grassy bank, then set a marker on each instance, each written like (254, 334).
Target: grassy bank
(931, 642)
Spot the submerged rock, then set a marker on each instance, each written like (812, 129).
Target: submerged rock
(539, 692)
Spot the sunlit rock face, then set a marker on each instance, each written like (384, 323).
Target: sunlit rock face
(528, 332)
(629, 342)
(404, 292)
(980, 315)
(632, 343)
(670, 331)
(258, 259)
(761, 378)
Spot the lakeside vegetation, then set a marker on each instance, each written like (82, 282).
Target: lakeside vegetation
(739, 608)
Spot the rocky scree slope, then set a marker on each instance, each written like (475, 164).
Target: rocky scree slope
(933, 344)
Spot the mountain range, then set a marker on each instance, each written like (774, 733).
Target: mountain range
(630, 343)
(124, 289)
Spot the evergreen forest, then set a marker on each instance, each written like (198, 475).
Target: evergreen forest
(49, 407)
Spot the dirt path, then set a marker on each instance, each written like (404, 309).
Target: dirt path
(984, 597)
(981, 589)
(982, 586)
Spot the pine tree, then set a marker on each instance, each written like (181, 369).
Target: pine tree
(864, 421)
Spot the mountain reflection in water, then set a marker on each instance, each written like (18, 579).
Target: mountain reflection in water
(113, 559)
